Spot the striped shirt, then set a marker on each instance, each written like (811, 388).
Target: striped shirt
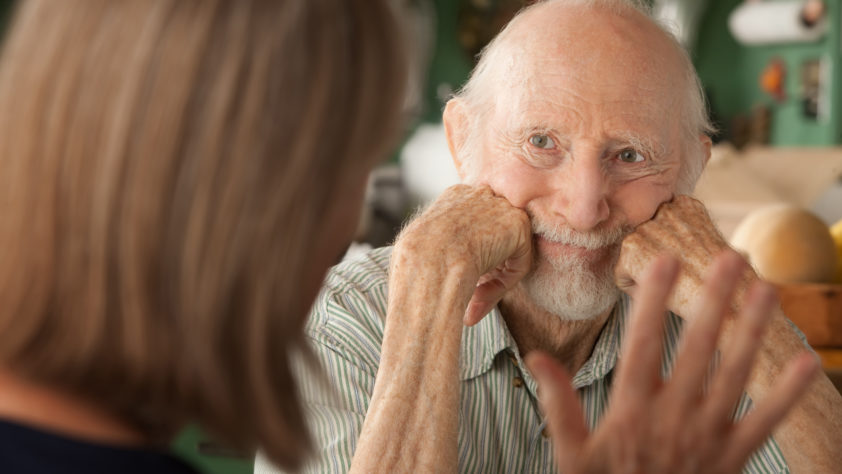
(501, 429)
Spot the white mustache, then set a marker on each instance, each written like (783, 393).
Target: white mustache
(593, 240)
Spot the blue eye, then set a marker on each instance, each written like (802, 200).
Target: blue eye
(630, 156)
(540, 140)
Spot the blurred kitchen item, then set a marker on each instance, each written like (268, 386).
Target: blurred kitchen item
(480, 21)
(814, 93)
(776, 22)
(426, 165)
(419, 19)
(787, 244)
(682, 16)
(751, 129)
(836, 233)
(812, 12)
(385, 208)
(828, 205)
(816, 310)
(735, 183)
(772, 79)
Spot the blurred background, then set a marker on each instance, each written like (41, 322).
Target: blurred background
(772, 74)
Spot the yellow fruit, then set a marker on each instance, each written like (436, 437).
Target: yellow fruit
(836, 233)
(787, 244)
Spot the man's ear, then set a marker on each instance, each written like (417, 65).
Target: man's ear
(707, 143)
(455, 119)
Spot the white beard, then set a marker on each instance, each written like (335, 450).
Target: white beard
(575, 287)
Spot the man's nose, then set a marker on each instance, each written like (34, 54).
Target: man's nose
(581, 192)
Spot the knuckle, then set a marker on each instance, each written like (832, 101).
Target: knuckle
(522, 217)
(455, 190)
(632, 241)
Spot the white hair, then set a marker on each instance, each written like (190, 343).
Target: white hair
(478, 92)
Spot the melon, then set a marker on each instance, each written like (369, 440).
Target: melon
(836, 233)
(787, 244)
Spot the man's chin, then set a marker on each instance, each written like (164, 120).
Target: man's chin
(569, 306)
(575, 289)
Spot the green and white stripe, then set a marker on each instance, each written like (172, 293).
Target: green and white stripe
(500, 429)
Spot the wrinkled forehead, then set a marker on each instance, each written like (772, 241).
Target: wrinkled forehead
(591, 56)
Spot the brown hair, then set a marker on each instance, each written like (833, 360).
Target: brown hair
(164, 166)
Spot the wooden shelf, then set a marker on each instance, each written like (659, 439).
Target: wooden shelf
(831, 358)
(817, 310)
(832, 364)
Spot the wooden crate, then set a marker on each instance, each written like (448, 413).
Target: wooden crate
(816, 309)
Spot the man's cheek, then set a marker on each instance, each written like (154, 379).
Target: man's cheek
(518, 183)
(639, 202)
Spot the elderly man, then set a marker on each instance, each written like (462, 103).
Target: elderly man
(576, 136)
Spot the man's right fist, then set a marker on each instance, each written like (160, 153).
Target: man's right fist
(471, 229)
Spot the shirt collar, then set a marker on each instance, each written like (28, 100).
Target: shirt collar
(482, 342)
(607, 347)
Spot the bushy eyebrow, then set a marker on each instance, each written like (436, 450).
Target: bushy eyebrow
(652, 148)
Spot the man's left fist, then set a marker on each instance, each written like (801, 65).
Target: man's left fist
(682, 228)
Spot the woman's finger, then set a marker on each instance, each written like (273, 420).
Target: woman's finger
(561, 408)
(638, 374)
(698, 343)
(752, 430)
(738, 358)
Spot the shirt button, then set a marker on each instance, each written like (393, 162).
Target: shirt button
(517, 382)
(545, 432)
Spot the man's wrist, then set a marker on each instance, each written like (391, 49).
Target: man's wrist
(415, 261)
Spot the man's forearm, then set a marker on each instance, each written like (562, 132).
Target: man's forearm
(811, 435)
(412, 421)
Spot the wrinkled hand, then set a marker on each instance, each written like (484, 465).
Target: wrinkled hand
(469, 227)
(681, 228)
(656, 426)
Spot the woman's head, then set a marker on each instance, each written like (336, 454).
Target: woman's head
(167, 172)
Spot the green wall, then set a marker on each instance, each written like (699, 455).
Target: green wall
(731, 72)
(449, 65)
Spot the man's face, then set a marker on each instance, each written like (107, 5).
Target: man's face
(585, 136)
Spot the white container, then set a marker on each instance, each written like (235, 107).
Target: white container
(773, 22)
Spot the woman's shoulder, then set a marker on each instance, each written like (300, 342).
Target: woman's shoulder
(29, 449)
